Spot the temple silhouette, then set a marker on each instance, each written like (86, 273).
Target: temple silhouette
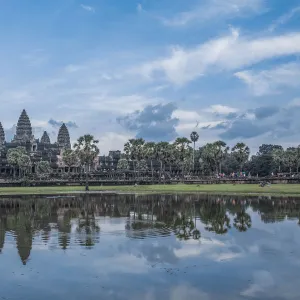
(38, 149)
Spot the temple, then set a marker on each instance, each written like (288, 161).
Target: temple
(37, 149)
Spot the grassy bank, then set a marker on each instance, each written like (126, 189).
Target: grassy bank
(276, 189)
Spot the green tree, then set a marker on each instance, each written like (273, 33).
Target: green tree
(70, 158)
(134, 150)
(182, 152)
(43, 168)
(17, 157)
(123, 164)
(194, 138)
(290, 158)
(142, 165)
(241, 153)
(214, 154)
(149, 151)
(25, 164)
(87, 150)
(161, 154)
(278, 157)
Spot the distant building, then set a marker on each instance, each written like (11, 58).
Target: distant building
(37, 149)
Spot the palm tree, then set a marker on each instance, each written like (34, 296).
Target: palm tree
(87, 150)
(123, 164)
(69, 158)
(290, 158)
(149, 151)
(43, 168)
(194, 138)
(183, 150)
(16, 158)
(241, 153)
(24, 163)
(161, 154)
(278, 157)
(134, 150)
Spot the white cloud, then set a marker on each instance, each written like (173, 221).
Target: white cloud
(88, 8)
(113, 141)
(214, 9)
(270, 81)
(139, 7)
(220, 109)
(284, 18)
(229, 52)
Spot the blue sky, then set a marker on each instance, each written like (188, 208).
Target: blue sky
(152, 68)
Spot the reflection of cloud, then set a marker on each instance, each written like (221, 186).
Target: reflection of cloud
(263, 280)
(211, 249)
(186, 292)
(188, 251)
(122, 263)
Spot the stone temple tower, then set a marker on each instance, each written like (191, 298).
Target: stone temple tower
(24, 129)
(2, 136)
(45, 139)
(63, 138)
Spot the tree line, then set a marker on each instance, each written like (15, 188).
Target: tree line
(180, 156)
(210, 159)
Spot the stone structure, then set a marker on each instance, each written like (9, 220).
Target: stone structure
(37, 149)
(110, 161)
(63, 138)
(2, 136)
(45, 139)
(24, 129)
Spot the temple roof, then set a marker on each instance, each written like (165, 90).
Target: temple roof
(2, 135)
(24, 129)
(63, 138)
(45, 138)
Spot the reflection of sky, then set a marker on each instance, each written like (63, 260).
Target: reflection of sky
(262, 263)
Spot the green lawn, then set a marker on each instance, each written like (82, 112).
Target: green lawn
(278, 189)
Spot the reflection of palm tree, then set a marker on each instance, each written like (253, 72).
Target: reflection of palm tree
(242, 221)
(88, 231)
(2, 233)
(184, 228)
(64, 230)
(196, 234)
(214, 216)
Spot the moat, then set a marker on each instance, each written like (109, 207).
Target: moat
(149, 247)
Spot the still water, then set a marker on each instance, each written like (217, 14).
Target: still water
(149, 247)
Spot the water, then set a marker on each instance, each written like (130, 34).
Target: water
(149, 247)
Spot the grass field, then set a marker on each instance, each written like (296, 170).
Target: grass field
(276, 189)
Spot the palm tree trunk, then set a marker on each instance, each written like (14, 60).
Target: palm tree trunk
(161, 170)
(86, 178)
(151, 169)
(134, 169)
(194, 157)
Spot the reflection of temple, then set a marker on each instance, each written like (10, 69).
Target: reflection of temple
(75, 220)
(37, 149)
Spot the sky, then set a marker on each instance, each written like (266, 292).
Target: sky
(154, 69)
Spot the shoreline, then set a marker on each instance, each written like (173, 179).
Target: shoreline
(292, 190)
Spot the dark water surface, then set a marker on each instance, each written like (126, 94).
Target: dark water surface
(150, 247)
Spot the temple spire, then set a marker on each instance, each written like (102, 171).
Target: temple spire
(63, 138)
(24, 129)
(2, 135)
(45, 139)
